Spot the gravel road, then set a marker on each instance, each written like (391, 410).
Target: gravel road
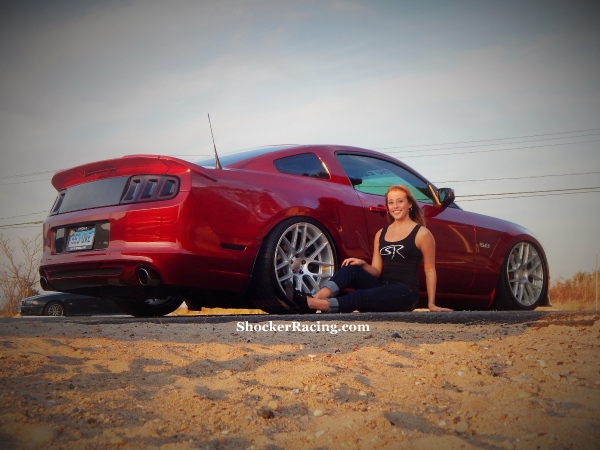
(418, 380)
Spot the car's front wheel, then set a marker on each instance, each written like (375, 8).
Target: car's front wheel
(153, 307)
(298, 253)
(54, 309)
(524, 280)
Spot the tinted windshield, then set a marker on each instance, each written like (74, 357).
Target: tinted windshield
(240, 156)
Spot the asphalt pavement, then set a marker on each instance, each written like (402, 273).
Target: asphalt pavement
(539, 318)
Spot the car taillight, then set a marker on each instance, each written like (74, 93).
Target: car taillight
(147, 188)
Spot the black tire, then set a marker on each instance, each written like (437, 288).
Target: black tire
(149, 307)
(55, 309)
(523, 283)
(266, 290)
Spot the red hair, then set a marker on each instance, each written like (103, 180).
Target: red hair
(415, 212)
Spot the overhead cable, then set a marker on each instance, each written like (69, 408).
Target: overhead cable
(24, 182)
(29, 174)
(527, 196)
(490, 145)
(517, 178)
(18, 227)
(528, 192)
(23, 215)
(497, 149)
(489, 140)
(23, 223)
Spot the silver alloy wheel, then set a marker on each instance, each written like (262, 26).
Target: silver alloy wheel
(303, 256)
(56, 309)
(525, 273)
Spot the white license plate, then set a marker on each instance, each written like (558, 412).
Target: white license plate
(81, 238)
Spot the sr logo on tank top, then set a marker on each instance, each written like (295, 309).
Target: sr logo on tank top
(392, 250)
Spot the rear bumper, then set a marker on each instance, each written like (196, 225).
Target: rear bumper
(174, 268)
(114, 271)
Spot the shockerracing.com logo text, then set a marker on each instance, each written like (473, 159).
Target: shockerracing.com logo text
(311, 327)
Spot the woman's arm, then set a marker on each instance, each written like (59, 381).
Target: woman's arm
(426, 243)
(376, 264)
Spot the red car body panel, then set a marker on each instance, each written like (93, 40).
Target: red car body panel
(208, 236)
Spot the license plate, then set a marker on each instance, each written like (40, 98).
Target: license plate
(81, 238)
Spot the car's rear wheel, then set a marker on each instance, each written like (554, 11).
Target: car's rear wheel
(298, 253)
(153, 307)
(54, 309)
(523, 282)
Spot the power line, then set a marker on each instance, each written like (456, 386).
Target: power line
(529, 192)
(24, 182)
(29, 174)
(12, 225)
(497, 149)
(527, 196)
(499, 143)
(489, 140)
(19, 227)
(518, 178)
(23, 215)
(375, 148)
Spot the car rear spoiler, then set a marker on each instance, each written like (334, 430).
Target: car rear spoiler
(127, 165)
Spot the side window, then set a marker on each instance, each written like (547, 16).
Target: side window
(307, 165)
(375, 176)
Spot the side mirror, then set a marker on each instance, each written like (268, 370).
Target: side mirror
(446, 196)
(355, 181)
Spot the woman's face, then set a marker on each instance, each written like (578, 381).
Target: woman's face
(398, 204)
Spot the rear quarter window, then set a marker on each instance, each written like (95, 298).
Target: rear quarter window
(306, 165)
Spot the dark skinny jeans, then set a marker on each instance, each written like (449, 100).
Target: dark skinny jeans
(370, 294)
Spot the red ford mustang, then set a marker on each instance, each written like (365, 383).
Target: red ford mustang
(152, 231)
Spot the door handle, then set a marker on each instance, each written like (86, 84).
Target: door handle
(378, 209)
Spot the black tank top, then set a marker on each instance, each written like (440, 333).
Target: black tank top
(401, 260)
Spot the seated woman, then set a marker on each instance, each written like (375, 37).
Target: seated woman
(391, 282)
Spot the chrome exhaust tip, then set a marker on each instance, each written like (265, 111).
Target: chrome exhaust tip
(147, 277)
(44, 284)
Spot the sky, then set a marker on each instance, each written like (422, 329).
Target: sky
(421, 81)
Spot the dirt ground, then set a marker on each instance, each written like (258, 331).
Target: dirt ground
(76, 384)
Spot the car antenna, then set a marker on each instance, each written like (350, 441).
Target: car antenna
(217, 162)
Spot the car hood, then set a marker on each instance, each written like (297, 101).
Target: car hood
(503, 226)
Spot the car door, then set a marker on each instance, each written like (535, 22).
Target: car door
(454, 234)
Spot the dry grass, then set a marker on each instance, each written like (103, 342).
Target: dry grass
(576, 293)
(183, 311)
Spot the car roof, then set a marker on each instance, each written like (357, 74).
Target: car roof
(242, 155)
(240, 159)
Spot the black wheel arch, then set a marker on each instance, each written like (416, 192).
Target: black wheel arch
(509, 245)
(255, 293)
(278, 220)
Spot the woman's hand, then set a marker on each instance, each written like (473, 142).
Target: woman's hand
(435, 308)
(353, 262)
